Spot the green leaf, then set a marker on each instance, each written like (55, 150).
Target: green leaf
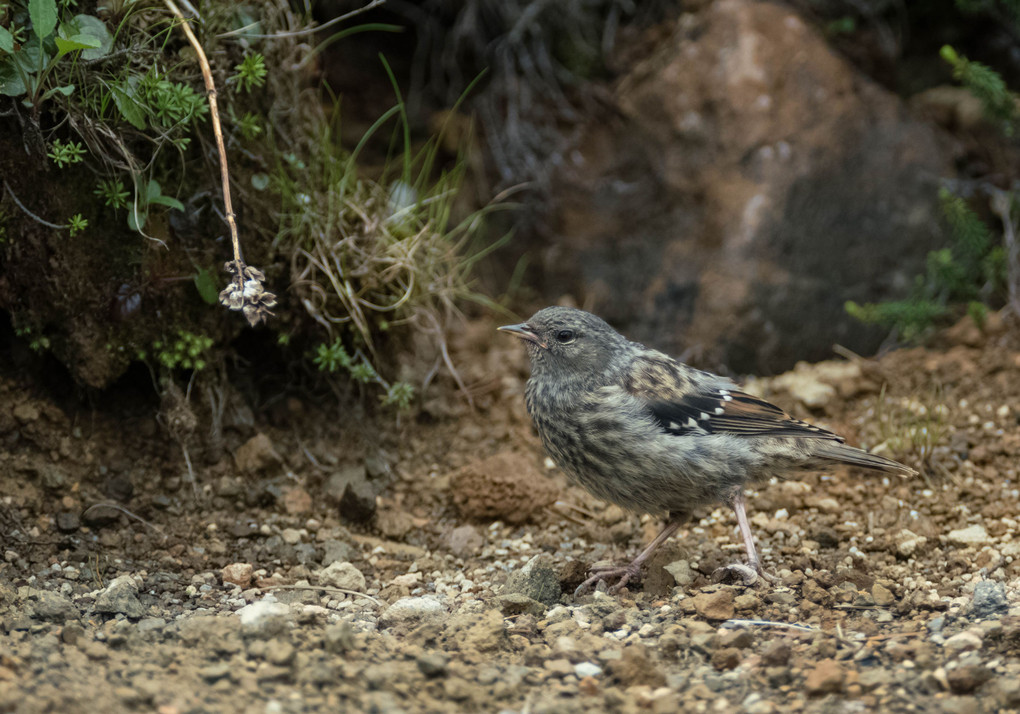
(93, 27)
(6, 40)
(123, 97)
(66, 91)
(10, 81)
(260, 181)
(136, 220)
(43, 14)
(78, 42)
(205, 282)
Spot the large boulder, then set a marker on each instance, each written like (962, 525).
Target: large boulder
(748, 183)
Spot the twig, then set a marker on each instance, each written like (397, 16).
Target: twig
(210, 88)
(126, 512)
(27, 212)
(307, 30)
(327, 589)
(734, 624)
(245, 292)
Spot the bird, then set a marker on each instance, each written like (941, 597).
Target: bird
(638, 428)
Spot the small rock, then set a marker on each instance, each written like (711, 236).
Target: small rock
(279, 652)
(412, 610)
(464, 541)
(333, 550)
(394, 523)
(726, 658)
(52, 607)
(962, 642)
(238, 574)
(357, 504)
(715, 606)
(587, 669)
(777, 653)
(537, 580)
(257, 454)
(297, 500)
(342, 575)
(559, 667)
(989, 599)
(827, 677)
(68, 522)
(883, 596)
(636, 667)
(507, 486)
(518, 604)
(291, 536)
(966, 678)
(120, 597)
(339, 638)
(681, 572)
(215, 672)
(264, 618)
(432, 664)
(907, 542)
(971, 535)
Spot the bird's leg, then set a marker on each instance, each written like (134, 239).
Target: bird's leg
(749, 574)
(626, 572)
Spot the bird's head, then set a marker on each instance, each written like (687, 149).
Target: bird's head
(570, 344)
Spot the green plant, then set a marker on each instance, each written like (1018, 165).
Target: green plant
(112, 192)
(26, 66)
(334, 357)
(66, 154)
(186, 351)
(138, 214)
(970, 272)
(250, 73)
(77, 224)
(999, 104)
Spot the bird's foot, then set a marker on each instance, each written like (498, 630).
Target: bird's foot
(746, 575)
(623, 572)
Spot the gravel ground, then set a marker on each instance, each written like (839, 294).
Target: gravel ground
(430, 566)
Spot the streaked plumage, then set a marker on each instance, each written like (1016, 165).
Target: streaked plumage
(635, 427)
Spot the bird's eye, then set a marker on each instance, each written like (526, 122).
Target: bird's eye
(565, 336)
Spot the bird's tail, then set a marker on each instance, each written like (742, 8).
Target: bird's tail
(859, 457)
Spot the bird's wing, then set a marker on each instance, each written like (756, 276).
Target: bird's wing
(685, 401)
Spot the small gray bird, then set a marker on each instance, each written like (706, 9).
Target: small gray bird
(638, 428)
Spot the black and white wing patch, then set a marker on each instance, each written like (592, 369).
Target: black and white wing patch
(728, 411)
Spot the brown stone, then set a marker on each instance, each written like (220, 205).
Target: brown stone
(715, 606)
(238, 574)
(507, 486)
(827, 677)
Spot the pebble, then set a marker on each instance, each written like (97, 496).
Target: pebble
(962, 642)
(537, 580)
(971, 535)
(412, 610)
(120, 597)
(342, 575)
(432, 664)
(587, 669)
(989, 599)
(715, 605)
(826, 677)
(239, 574)
(907, 543)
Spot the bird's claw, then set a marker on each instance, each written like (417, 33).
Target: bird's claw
(624, 572)
(746, 575)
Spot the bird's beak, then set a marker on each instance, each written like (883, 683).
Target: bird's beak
(523, 331)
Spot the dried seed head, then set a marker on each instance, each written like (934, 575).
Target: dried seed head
(246, 293)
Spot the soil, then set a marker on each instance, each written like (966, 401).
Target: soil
(429, 565)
